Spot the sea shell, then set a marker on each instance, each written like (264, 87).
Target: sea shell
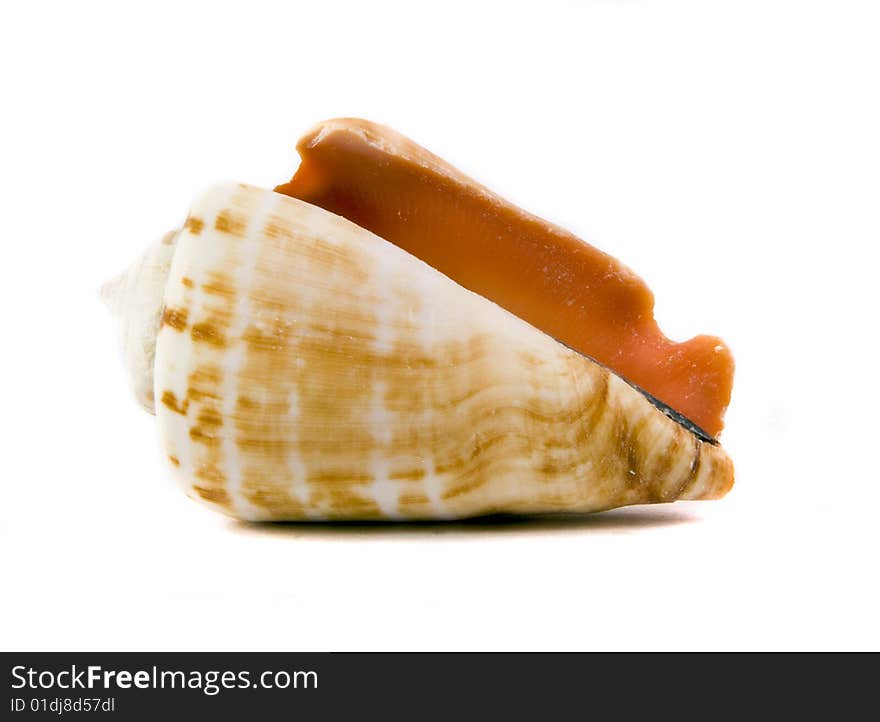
(307, 369)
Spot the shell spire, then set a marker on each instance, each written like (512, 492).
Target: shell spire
(135, 299)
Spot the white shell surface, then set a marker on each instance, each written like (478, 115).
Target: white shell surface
(135, 298)
(308, 369)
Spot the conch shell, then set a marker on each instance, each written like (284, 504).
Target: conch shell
(305, 368)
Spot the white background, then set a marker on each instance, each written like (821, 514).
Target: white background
(727, 151)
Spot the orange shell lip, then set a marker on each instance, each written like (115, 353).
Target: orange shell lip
(581, 296)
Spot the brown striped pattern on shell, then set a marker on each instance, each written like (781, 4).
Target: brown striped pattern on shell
(307, 369)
